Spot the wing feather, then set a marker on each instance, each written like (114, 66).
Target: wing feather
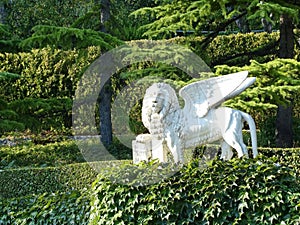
(201, 96)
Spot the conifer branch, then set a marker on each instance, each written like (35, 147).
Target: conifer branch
(268, 49)
(221, 27)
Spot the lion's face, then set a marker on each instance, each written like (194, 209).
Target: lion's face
(158, 100)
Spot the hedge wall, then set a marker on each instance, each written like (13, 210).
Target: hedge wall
(47, 72)
(22, 182)
(234, 49)
(29, 155)
(28, 181)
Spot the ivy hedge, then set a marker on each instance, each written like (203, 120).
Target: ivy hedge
(258, 191)
(265, 190)
(48, 208)
(28, 181)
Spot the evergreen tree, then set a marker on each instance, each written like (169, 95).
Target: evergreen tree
(209, 15)
(104, 13)
(284, 129)
(68, 38)
(3, 12)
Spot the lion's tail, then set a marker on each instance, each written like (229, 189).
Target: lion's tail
(252, 127)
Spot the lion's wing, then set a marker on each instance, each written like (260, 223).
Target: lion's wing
(201, 96)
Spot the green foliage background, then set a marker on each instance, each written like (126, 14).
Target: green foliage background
(23, 15)
(46, 47)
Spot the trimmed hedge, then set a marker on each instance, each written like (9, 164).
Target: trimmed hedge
(22, 182)
(28, 181)
(29, 155)
(239, 48)
(233, 48)
(47, 72)
(240, 191)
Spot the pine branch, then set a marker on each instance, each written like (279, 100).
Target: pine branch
(221, 27)
(262, 51)
(296, 41)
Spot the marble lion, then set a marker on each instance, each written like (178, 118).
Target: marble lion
(202, 120)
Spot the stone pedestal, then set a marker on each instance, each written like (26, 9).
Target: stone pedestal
(146, 147)
(141, 148)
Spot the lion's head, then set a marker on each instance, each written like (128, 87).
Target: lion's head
(161, 99)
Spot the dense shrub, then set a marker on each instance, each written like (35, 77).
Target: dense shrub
(43, 114)
(234, 49)
(267, 132)
(7, 80)
(46, 72)
(24, 14)
(68, 38)
(35, 114)
(28, 181)
(239, 49)
(9, 119)
(236, 192)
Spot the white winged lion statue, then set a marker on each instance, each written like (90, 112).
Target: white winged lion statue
(202, 120)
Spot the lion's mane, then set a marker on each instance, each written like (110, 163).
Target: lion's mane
(164, 98)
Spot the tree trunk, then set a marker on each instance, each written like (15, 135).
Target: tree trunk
(284, 132)
(106, 92)
(105, 13)
(105, 114)
(2, 12)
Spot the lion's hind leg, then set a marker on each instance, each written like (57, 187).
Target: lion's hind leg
(236, 141)
(226, 151)
(233, 135)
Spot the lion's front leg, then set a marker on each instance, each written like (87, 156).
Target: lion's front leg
(158, 149)
(175, 146)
